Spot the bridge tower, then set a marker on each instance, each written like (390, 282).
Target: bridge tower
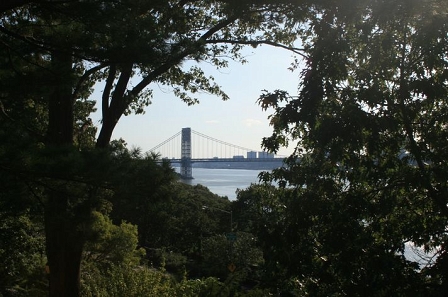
(186, 170)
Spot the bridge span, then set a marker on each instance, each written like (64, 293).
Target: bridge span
(178, 149)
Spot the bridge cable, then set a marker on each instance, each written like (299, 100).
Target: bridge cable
(223, 142)
(166, 141)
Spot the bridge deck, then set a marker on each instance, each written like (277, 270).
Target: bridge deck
(261, 160)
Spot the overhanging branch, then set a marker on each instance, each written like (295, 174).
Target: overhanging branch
(179, 57)
(255, 43)
(86, 76)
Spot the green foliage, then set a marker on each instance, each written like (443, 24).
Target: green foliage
(126, 280)
(22, 255)
(219, 252)
(53, 52)
(111, 244)
(171, 219)
(142, 281)
(22, 240)
(204, 287)
(319, 247)
(369, 131)
(367, 177)
(150, 42)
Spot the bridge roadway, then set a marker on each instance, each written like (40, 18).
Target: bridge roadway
(259, 160)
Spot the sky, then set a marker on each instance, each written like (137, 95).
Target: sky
(239, 120)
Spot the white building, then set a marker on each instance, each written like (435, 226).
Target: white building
(265, 155)
(251, 155)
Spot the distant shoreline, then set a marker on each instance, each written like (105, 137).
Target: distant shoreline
(265, 165)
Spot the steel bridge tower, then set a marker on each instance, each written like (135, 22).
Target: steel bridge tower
(186, 170)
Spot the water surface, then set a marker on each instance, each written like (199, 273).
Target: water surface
(224, 182)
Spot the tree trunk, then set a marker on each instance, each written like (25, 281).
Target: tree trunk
(64, 240)
(107, 129)
(64, 243)
(114, 110)
(60, 106)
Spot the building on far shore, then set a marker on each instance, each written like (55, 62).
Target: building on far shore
(265, 155)
(251, 155)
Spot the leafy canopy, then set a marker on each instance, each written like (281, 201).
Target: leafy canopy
(369, 130)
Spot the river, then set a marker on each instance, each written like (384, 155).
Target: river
(224, 182)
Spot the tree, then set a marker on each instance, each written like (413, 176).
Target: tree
(22, 254)
(69, 45)
(110, 244)
(369, 126)
(172, 220)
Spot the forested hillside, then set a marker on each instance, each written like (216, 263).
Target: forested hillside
(81, 214)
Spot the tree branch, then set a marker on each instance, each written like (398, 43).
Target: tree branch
(84, 77)
(107, 89)
(178, 58)
(256, 43)
(39, 44)
(117, 103)
(6, 5)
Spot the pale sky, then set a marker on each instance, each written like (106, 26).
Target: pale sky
(239, 120)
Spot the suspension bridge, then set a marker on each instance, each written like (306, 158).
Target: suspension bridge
(188, 146)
